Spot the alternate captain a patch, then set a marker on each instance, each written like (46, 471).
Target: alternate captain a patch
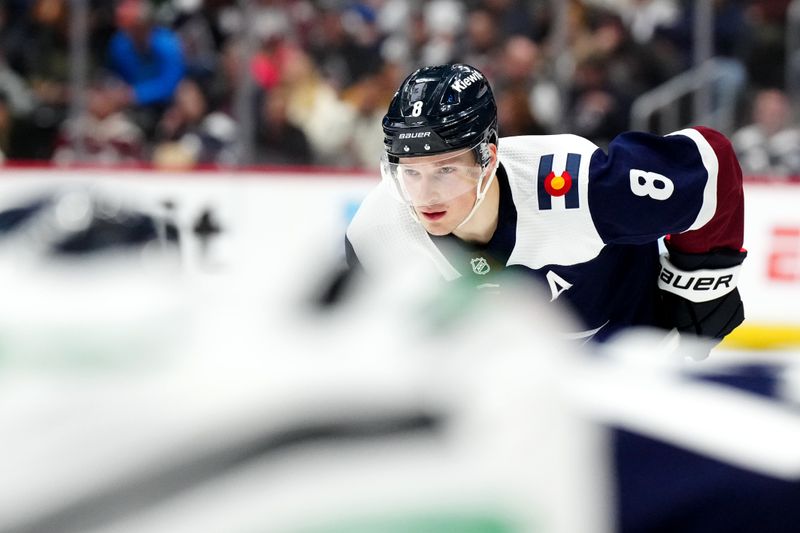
(552, 184)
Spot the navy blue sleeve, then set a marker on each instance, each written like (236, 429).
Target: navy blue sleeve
(647, 186)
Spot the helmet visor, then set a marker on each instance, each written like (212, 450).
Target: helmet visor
(431, 180)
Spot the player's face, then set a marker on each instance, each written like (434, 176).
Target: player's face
(442, 190)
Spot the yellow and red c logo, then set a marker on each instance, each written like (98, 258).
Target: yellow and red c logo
(558, 185)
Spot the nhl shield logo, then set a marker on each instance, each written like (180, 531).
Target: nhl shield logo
(480, 266)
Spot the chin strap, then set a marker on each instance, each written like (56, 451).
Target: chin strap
(481, 193)
(414, 214)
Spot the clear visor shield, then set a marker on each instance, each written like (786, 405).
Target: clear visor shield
(431, 180)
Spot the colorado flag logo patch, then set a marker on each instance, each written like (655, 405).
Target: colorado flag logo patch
(552, 185)
(558, 185)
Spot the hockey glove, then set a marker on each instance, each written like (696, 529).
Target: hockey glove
(699, 294)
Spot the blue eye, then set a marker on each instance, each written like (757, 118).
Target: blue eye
(447, 170)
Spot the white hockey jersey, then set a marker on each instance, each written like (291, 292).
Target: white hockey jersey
(590, 236)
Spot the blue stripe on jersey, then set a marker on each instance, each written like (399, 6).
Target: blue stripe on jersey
(545, 167)
(573, 167)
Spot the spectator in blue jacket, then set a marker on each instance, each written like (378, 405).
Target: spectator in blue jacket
(148, 58)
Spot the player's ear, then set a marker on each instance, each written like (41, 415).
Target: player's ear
(493, 152)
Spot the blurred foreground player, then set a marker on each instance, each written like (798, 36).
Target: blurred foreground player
(585, 222)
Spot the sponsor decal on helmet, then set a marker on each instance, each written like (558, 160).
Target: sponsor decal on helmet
(460, 85)
(558, 185)
(486, 154)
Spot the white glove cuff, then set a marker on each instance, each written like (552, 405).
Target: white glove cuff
(697, 285)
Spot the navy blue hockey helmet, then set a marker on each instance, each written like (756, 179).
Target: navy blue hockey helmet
(440, 109)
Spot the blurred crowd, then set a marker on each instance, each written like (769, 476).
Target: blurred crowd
(165, 77)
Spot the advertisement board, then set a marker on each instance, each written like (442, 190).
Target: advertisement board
(299, 217)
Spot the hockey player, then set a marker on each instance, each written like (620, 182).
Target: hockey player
(585, 222)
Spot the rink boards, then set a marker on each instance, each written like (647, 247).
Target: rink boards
(273, 218)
